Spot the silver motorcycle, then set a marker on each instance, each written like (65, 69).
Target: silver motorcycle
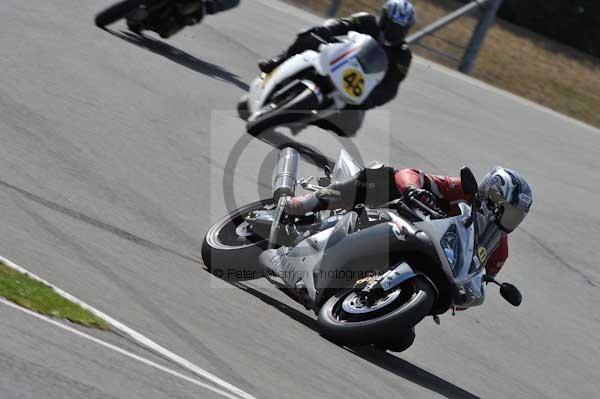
(371, 273)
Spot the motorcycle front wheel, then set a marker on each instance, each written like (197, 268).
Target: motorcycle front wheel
(348, 319)
(229, 250)
(115, 12)
(296, 105)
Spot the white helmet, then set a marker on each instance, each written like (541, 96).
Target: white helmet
(505, 198)
(397, 17)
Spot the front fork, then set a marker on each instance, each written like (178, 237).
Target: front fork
(388, 280)
(275, 227)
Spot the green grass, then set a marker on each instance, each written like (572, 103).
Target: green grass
(31, 294)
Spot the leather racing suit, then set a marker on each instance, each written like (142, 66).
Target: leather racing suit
(379, 186)
(399, 56)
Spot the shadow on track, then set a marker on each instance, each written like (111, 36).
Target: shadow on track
(385, 360)
(412, 373)
(181, 57)
(279, 141)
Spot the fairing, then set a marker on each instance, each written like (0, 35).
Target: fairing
(346, 64)
(467, 277)
(262, 87)
(358, 254)
(336, 257)
(355, 54)
(344, 168)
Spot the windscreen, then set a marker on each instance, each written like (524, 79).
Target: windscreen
(345, 167)
(372, 57)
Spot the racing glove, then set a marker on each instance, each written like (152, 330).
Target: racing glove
(426, 197)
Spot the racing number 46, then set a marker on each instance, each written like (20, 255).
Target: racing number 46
(355, 83)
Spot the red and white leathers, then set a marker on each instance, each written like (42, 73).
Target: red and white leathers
(449, 192)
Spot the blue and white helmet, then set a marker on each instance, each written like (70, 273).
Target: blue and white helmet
(505, 197)
(397, 17)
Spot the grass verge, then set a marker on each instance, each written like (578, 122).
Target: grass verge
(31, 294)
(514, 59)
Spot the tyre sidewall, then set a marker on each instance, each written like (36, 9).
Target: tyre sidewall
(294, 111)
(115, 12)
(231, 263)
(383, 328)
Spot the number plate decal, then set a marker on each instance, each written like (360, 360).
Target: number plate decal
(482, 254)
(354, 82)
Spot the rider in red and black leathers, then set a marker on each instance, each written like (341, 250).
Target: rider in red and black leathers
(378, 186)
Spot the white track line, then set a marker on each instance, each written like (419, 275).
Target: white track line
(119, 350)
(136, 336)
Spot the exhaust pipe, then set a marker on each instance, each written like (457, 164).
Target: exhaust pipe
(286, 174)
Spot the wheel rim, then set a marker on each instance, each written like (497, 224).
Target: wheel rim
(238, 236)
(355, 304)
(350, 308)
(232, 232)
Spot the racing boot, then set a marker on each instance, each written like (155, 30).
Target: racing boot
(268, 65)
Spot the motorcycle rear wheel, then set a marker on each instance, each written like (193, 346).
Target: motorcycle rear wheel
(230, 255)
(115, 12)
(383, 323)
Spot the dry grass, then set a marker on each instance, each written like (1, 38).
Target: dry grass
(513, 58)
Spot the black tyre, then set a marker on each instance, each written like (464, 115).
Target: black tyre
(400, 343)
(116, 11)
(230, 252)
(242, 108)
(346, 322)
(134, 27)
(295, 107)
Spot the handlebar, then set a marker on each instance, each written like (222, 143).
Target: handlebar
(305, 184)
(435, 213)
(401, 205)
(333, 39)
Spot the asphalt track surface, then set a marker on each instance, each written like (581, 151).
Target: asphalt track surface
(112, 156)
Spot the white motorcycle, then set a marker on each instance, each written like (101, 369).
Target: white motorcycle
(314, 85)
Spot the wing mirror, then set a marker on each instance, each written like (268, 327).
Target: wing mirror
(511, 294)
(508, 291)
(469, 182)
